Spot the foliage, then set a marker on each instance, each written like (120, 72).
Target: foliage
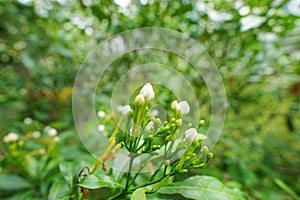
(255, 45)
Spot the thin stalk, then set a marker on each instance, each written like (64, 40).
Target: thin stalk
(119, 194)
(165, 158)
(129, 171)
(108, 148)
(150, 183)
(153, 175)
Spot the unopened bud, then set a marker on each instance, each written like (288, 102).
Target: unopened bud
(157, 121)
(179, 122)
(139, 100)
(209, 157)
(183, 107)
(182, 171)
(191, 135)
(147, 91)
(154, 147)
(174, 105)
(167, 162)
(205, 149)
(150, 137)
(201, 122)
(172, 120)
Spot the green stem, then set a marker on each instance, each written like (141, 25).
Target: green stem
(165, 157)
(153, 175)
(145, 142)
(129, 171)
(116, 196)
(150, 183)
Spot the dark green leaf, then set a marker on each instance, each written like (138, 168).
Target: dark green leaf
(67, 171)
(13, 182)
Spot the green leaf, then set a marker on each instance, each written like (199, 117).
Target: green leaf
(155, 196)
(33, 167)
(139, 194)
(286, 188)
(98, 181)
(57, 190)
(67, 170)
(13, 182)
(202, 187)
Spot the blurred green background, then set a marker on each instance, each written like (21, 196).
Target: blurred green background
(255, 45)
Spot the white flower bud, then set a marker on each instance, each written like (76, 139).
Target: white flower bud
(101, 127)
(27, 121)
(149, 126)
(191, 135)
(52, 132)
(148, 92)
(124, 109)
(36, 134)
(154, 113)
(101, 114)
(174, 105)
(183, 107)
(11, 137)
(139, 100)
(179, 122)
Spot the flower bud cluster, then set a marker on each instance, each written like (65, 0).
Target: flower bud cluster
(147, 134)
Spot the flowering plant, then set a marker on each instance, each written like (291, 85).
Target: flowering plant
(155, 153)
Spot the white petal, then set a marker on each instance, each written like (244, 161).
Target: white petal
(36, 134)
(124, 109)
(149, 126)
(27, 121)
(183, 107)
(11, 137)
(52, 132)
(148, 92)
(101, 127)
(139, 100)
(174, 105)
(101, 114)
(191, 135)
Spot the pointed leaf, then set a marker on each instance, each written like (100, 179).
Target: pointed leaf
(67, 170)
(139, 194)
(13, 182)
(98, 181)
(202, 187)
